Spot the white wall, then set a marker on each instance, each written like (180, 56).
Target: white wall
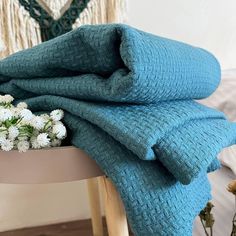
(30, 205)
(210, 24)
(207, 23)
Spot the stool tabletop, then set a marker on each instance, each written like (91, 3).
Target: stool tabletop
(43, 166)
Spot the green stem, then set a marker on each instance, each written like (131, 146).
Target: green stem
(18, 121)
(45, 126)
(3, 129)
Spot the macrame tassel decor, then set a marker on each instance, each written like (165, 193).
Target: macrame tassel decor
(2, 46)
(22, 21)
(103, 11)
(17, 29)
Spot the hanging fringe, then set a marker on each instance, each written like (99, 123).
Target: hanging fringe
(17, 29)
(98, 11)
(117, 11)
(103, 11)
(2, 46)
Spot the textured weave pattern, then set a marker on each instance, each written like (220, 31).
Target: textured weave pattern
(127, 96)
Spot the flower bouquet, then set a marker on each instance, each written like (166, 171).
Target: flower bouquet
(20, 129)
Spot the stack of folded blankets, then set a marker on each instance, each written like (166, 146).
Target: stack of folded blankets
(128, 98)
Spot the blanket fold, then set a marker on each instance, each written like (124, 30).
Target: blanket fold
(138, 67)
(128, 96)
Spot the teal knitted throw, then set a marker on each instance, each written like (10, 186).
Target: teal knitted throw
(128, 98)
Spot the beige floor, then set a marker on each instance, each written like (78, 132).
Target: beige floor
(224, 204)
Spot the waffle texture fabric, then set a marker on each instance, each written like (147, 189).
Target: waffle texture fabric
(128, 102)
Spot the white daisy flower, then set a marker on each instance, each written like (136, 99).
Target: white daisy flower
(23, 146)
(13, 132)
(22, 105)
(8, 98)
(5, 114)
(16, 112)
(59, 130)
(34, 143)
(26, 114)
(2, 136)
(23, 138)
(57, 115)
(20, 128)
(37, 122)
(45, 116)
(35, 133)
(56, 143)
(43, 140)
(7, 145)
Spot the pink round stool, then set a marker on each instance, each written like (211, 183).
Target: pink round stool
(65, 164)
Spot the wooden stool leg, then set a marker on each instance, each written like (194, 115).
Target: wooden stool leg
(95, 208)
(115, 213)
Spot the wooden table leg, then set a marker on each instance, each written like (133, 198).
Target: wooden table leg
(115, 213)
(95, 208)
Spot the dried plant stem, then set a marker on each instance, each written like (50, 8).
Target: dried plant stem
(207, 219)
(211, 231)
(203, 225)
(233, 233)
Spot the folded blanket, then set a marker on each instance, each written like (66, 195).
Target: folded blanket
(127, 96)
(224, 99)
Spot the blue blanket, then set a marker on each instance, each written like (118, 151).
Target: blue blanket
(128, 97)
